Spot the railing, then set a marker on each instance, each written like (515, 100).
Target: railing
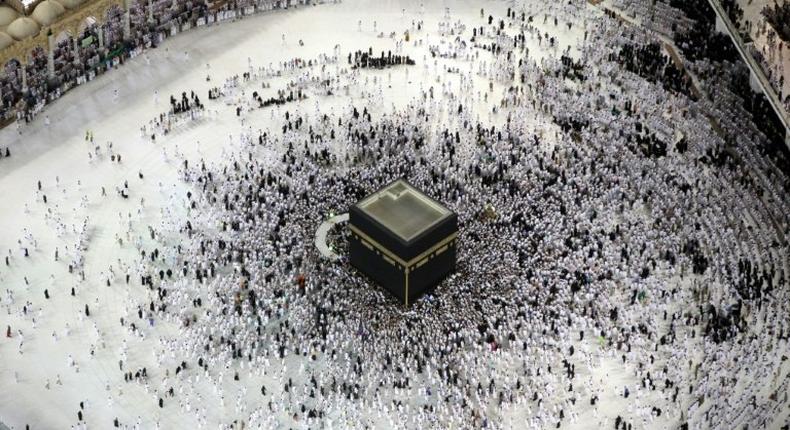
(755, 67)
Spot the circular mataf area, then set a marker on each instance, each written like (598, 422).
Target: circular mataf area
(620, 258)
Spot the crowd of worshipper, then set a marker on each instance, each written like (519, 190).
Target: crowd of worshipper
(185, 111)
(282, 98)
(779, 18)
(778, 41)
(624, 226)
(229, 86)
(188, 109)
(651, 63)
(186, 103)
(718, 65)
(701, 41)
(366, 59)
(297, 197)
(734, 11)
(80, 58)
(775, 15)
(259, 248)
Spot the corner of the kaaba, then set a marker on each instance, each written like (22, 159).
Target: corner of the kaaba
(424, 278)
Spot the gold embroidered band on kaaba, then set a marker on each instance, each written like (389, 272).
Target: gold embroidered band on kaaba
(391, 258)
(406, 264)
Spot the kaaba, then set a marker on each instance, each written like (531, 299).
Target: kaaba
(403, 240)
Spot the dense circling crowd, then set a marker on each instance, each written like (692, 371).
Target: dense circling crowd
(609, 217)
(779, 18)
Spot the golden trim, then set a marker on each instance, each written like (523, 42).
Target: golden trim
(430, 250)
(391, 258)
(402, 262)
(376, 245)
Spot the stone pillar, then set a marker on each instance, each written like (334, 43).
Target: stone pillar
(150, 11)
(76, 51)
(24, 78)
(51, 56)
(127, 24)
(100, 32)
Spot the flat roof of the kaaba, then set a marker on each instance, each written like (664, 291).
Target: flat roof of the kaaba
(403, 209)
